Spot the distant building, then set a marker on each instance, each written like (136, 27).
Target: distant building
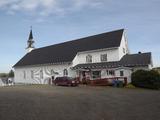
(96, 57)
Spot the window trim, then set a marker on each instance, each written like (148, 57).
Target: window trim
(89, 58)
(110, 72)
(97, 75)
(65, 72)
(104, 57)
(24, 74)
(32, 74)
(41, 74)
(121, 73)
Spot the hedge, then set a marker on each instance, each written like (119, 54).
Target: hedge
(146, 79)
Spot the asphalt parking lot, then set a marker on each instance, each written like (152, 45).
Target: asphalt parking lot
(43, 102)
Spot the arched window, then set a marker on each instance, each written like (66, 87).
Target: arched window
(88, 58)
(41, 74)
(24, 74)
(32, 74)
(65, 72)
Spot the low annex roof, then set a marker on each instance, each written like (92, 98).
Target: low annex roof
(140, 59)
(129, 60)
(65, 52)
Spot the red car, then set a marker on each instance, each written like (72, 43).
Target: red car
(65, 81)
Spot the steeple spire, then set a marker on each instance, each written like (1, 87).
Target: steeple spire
(30, 35)
(30, 42)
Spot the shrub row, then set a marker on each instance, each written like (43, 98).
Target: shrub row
(146, 79)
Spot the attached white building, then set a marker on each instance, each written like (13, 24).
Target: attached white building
(96, 57)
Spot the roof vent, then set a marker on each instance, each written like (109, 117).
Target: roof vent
(139, 52)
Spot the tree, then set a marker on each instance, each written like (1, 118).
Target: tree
(3, 74)
(11, 73)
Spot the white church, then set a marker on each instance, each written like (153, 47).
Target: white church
(102, 57)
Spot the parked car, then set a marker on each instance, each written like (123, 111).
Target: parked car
(65, 81)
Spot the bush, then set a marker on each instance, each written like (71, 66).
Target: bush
(130, 86)
(146, 79)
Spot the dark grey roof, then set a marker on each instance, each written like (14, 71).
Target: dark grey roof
(65, 52)
(96, 65)
(140, 59)
(129, 60)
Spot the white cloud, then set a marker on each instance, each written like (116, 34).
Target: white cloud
(84, 3)
(45, 7)
(28, 5)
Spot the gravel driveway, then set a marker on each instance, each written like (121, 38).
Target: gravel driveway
(78, 103)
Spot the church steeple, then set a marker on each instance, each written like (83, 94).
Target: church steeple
(30, 35)
(30, 42)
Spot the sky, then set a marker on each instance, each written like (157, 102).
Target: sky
(56, 21)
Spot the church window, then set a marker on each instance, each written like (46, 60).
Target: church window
(96, 74)
(110, 72)
(88, 58)
(41, 74)
(121, 73)
(32, 74)
(24, 74)
(103, 57)
(65, 72)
